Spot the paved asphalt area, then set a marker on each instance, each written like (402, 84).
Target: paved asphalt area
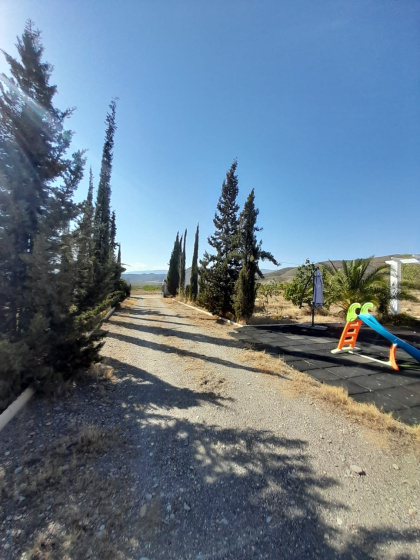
(309, 350)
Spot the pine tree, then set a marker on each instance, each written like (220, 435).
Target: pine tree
(172, 278)
(182, 260)
(194, 268)
(36, 210)
(250, 253)
(102, 218)
(223, 271)
(32, 144)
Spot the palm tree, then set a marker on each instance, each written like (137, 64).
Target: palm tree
(358, 281)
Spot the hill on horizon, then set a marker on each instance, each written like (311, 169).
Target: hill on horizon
(281, 275)
(159, 271)
(287, 274)
(143, 278)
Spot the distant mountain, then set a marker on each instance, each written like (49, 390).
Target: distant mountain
(287, 274)
(282, 275)
(147, 272)
(144, 278)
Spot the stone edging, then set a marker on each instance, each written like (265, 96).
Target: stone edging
(211, 314)
(15, 407)
(108, 315)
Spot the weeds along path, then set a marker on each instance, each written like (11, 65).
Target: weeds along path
(188, 446)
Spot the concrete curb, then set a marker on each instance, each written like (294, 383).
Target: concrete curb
(211, 314)
(27, 394)
(108, 315)
(15, 407)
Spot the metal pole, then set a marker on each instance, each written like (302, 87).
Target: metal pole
(313, 304)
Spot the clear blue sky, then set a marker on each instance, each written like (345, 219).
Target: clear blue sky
(318, 101)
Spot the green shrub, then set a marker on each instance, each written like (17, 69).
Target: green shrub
(151, 288)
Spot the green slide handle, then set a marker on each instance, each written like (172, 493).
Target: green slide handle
(364, 309)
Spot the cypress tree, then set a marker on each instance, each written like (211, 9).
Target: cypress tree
(250, 253)
(194, 268)
(223, 271)
(115, 260)
(119, 254)
(182, 266)
(89, 199)
(172, 278)
(102, 219)
(83, 236)
(113, 234)
(204, 294)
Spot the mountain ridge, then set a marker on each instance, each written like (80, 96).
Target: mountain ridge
(281, 275)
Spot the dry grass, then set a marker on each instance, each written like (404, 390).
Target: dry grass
(335, 397)
(275, 309)
(130, 302)
(101, 371)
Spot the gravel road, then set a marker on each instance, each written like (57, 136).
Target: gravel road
(222, 461)
(242, 471)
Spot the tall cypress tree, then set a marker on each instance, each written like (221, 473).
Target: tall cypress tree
(84, 248)
(89, 199)
(182, 259)
(250, 252)
(102, 218)
(194, 268)
(115, 260)
(113, 234)
(224, 265)
(172, 278)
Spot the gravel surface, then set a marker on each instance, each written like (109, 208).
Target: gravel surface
(196, 453)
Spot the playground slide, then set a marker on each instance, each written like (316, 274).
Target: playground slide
(374, 324)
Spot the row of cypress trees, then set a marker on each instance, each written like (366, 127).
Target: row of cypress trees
(228, 275)
(175, 279)
(58, 258)
(225, 283)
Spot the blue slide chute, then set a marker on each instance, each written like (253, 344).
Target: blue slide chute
(374, 324)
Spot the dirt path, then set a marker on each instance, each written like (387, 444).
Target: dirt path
(209, 457)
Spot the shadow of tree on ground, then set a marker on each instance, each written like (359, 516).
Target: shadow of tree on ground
(159, 347)
(175, 487)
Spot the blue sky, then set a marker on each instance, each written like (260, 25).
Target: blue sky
(318, 101)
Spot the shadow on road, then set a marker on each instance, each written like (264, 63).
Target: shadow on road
(234, 493)
(147, 389)
(148, 320)
(167, 331)
(187, 353)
